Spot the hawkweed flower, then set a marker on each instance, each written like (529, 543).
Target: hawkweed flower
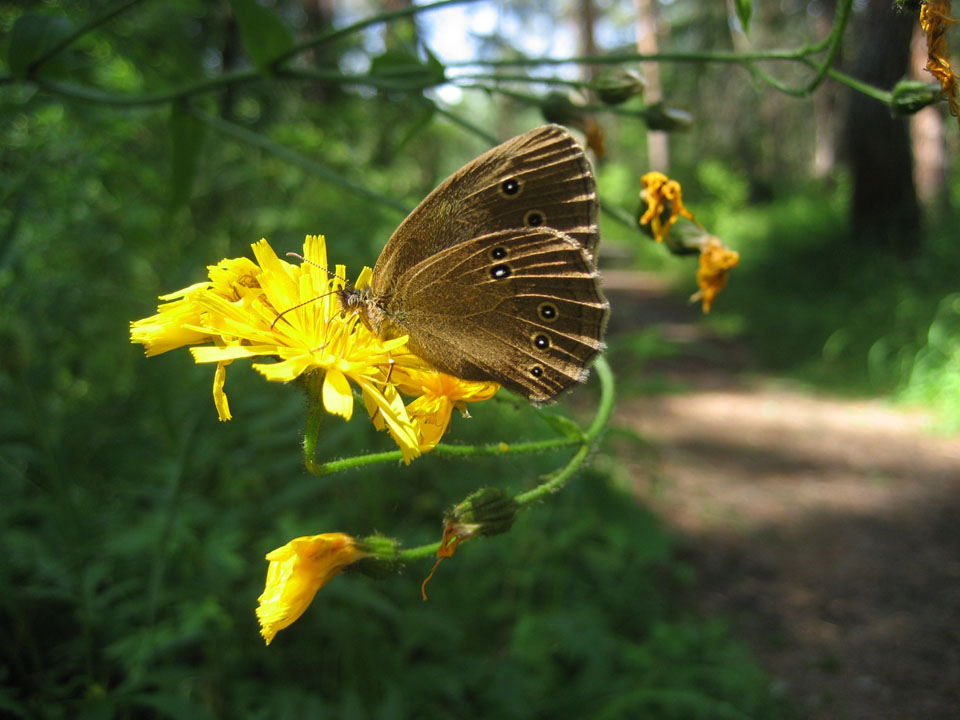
(934, 19)
(438, 394)
(715, 262)
(664, 199)
(296, 572)
(290, 314)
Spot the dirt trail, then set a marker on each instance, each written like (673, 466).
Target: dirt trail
(828, 529)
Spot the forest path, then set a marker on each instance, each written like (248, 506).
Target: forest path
(826, 528)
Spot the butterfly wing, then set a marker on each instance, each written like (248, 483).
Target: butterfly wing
(520, 306)
(539, 179)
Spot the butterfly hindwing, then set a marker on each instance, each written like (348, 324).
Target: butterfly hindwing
(520, 306)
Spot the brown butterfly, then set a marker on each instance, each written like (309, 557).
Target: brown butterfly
(492, 276)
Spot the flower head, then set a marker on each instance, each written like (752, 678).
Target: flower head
(664, 199)
(438, 395)
(934, 19)
(290, 313)
(297, 570)
(715, 262)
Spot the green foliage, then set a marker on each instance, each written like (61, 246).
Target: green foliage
(933, 376)
(811, 305)
(744, 11)
(265, 36)
(134, 525)
(186, 135)
(31, 38)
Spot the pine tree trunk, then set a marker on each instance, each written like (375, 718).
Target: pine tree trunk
(884, 213)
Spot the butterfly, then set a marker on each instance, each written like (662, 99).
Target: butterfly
(493, 275)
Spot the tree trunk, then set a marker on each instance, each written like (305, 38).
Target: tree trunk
(658, 147)
(929, 139)
(884, 213)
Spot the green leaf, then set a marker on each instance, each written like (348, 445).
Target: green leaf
(186, 134)
(562, 425)
(744, 11)
(31, 36)
(265, 35)
(399, 69)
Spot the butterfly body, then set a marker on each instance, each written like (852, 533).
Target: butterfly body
(492, 276)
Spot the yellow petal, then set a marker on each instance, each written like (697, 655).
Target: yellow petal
(337, 396)
(219, 396)
(295, 574)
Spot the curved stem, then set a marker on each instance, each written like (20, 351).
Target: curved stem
(604, 409)
(831, 44)
(836, 35)
(105, 97)
(445, 451)
(619, 58)
(69, 39)
(466, 124)
(248, 136)
(362, 25)
(557, 479)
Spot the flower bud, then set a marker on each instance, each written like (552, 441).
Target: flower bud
(614, 87)
(660, 117)
(489, 511)
(559, 108)
(910, 96)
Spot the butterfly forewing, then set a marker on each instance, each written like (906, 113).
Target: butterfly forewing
(539, 179)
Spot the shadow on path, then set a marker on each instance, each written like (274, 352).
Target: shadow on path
(828, 529)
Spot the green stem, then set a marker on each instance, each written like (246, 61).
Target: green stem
(445, 451)
(241, 133)
(466, 125)
(105, 97)
(871, 91)
(315, 415)
(523, 79)
(619, 58)
(833, 47)
(537, 101)
(614, 212)
(362, 25)
(557, 479)
(381, 82)
(600, 420)
(831, 44)
(68, 40)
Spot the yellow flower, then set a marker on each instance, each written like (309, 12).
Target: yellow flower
(297, 570)
(439, 394)
(934, 18)
(663, 196)
(290, 313)
(715, 263)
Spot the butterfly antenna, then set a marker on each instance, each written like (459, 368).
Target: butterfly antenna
(302, 259)
(300, 305)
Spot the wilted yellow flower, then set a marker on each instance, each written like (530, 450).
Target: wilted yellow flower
(934, 19)
(297, 570)
(715, 262)
(662, 196)
(596, 138)
(439, 394)
(291, 314)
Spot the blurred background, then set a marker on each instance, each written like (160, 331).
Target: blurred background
(767, 529)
